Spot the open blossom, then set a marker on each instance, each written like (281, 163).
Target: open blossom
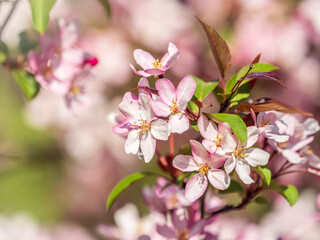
(152, 66)
(62, 64)
(173, 102)
(270, 126)
(181, 227)
(296, 150)
(145, 128)
(243, 155)
(207, 167)
(213, 136)
(164, 196)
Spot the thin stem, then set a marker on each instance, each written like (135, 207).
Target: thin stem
(171, 141)
(161, 158)
(284, 166)
(8, 17)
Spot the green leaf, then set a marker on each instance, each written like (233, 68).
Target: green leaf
(235, 122)
(234, 187)
(194, 108)
(231, 82)
(27, 41)
(265, 173)
(258, 67)
(195, 126)
(218, 92)
(27, 84)
(40, 13)
(289, 192)
(123, 185)
(261, 200)
(219, 49)
(204, 88)
(3, 51)
(242, 94)
(106, 6)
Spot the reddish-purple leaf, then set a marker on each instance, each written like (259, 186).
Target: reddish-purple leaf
(219, 49)
(269, 104)
(256, 59)
(264, 76)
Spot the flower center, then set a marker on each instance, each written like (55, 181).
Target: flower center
(157, 64)
(183, 235)
(283, 144)
(144, 125)
(76, 90)
(240, 153)
(203, 169)
(218, 140)
(264, 122)
(174, 108)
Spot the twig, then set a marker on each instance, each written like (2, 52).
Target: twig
(8, 17)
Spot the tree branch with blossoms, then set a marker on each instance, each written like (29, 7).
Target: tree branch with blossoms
(238, 146)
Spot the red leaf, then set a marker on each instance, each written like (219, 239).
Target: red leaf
(265, 76)
(269, 104)
(219, 49)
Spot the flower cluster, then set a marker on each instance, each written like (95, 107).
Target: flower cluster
(62, 67)
(227, 143)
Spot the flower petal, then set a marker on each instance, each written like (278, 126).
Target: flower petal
(228, 142)
(209, 145)
(195, 187)
(179, 123)
(170, 57)
(230, 164)
(132, 143)
(207, 128)
(160, 129)
(148, 146)
(166, 232)
(253, 134)
(143, 58)
(243, 170)
(185, 163)
(130, 109)
(216, 160)
(257, 157)
(166, 90)
(199, 153)
(219, 179)
(146, 112)
(293, 156)
(186, 88)
(160, 108)
(140, 72)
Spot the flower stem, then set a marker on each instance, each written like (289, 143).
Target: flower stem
(171, 140)
(8, 17)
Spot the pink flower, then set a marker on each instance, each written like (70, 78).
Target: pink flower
(182, 228)
(173, 102)
(62, 65)
(213, 136)
(152, 66)
(243, 155)
(270, 126)
(145, 128)
(207, 167)
(164, 196)
(295, 150)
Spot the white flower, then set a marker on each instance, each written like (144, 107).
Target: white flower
(243, 155)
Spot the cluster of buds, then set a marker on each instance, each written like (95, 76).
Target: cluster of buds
(63, 67)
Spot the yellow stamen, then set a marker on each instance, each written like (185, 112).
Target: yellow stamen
(144, 125)
(239, 153)
(218, 140)
(283, 144)
(203, 169)
(264, 122)
(75, 90)
(174, 108)
(157, 64)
